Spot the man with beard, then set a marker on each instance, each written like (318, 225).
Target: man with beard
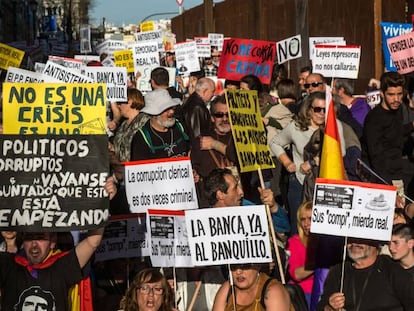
(370, 282)
(216, 150)
(383, 135)
(162, 136)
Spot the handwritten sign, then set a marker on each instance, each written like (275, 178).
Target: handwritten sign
(216, 40)
(124, 59)
(10, 56)
(289, 49)
(53, 183)
(353, 209)
(203, 46)
(337, 61)
(23, 75)
(391, 30)
(42, 108)
(66, 62)
(115, 79)
(163, 183)
(169, 242)
(146, 57)
(147, 26)
(248, 130)
(242, 57)
(374, 98)
(125, 237)
(402, 52)
(156, 35)
(228, 235)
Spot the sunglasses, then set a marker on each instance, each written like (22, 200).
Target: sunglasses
(220, 115)
(319, 109)
(313, 84)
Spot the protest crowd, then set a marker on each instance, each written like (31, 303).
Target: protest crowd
(206, 177)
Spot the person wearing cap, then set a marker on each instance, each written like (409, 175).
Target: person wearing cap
(162, 136)
(370, 281)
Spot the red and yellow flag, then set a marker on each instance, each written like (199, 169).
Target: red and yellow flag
(331, 164)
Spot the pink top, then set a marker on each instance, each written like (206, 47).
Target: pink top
(297, 259)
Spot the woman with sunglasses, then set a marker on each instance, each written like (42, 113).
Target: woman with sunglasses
(149, 291)
(297, 134)
(251, 290)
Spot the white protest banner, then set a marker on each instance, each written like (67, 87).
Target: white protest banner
(337, 61)
(70, 63)
(353, 209)
(187, 57)
(228, 235)
(39, 67)
(156, 35)
(374, 98)
(168, 236)
(125, 237)
(124, 59)
(402, 52)
(87, 58)
(109, 46)
(161, 183)
(390, 30)
(323, 40)
(22, 75)
(203, 46)
(172, 72)
(216, 40)
(85, 39)
(54, 73)
(146, 58)
(289, 49)
(115, 78)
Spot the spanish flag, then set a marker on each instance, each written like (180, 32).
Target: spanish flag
(331, 164)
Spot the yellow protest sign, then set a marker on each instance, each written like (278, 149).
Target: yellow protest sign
(147, 26)
(248, 130)
(124, 59)
(54, 108)
(10, 56)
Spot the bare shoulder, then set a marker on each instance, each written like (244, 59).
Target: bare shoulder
(220, 300)
(277, 297)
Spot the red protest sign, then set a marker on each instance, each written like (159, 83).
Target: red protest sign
(242, 57)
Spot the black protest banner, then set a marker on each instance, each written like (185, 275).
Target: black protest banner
(53, 183)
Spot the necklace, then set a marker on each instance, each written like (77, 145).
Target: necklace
(167, 147)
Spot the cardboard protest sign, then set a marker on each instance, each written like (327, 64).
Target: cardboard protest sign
(337, 61)
(353, 209)
(147, 26)
(10, 56)
(156, 35)
(203, 46)
(54, 72)
(66, 62)
(124, 59)
(53, 183)
(168, 236)
(115, 79)
(242, 57)
(110, 46)
(288, 49)
(228, 235)
(125, 237)
(248, 130)
(216, 40)
(321, 41)
(186, 56)
(146, 58)
(374, 98)
(161, 183)
(23, 76)
(55, 108)
(402, 52)
(391, 30)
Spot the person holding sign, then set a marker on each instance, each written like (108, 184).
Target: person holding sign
(148, 291)
(252, 290)
(370, 282)
(311, 117)
(162, 136)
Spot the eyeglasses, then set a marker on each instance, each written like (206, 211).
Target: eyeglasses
(146, 289)
(319, 109)
(313, 84)
(220, 115)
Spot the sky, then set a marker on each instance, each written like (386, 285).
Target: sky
(134, 11)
